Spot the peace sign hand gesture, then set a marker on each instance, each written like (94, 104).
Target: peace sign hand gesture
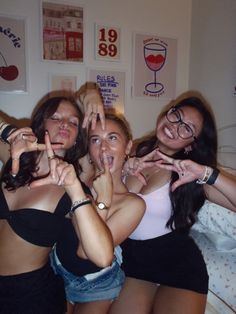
(134, 165)
(187, 170)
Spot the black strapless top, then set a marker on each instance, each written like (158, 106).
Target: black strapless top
(36, 226)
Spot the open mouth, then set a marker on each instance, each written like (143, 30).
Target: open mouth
(109, 159)
(169, 133)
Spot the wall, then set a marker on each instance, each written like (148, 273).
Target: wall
(159, 17)
(213, 62)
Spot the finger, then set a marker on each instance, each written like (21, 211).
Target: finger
(41, 182)
(42, 147)
(17, 132)
(15, 166)
(105, 163)
(30, 137)
(93, 120)
(168, 159)
(49, 149)
(51, 155)
(64, 173)
(149, 156)
(141, 178)
(86, 116)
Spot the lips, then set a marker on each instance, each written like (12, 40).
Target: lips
(169, 132)
(64, 134)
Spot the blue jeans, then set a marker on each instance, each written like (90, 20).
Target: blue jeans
(103, 285)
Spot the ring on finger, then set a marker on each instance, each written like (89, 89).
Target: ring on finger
(51, 157)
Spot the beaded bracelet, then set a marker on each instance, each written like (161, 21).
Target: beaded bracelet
(207, 174)
(79, 203)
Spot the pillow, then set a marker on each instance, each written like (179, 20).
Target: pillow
(218, 224)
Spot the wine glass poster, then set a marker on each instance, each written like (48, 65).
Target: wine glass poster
(154, 66)
(12, 55)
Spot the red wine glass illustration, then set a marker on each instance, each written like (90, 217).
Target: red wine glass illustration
(155, 57)
(8, 72)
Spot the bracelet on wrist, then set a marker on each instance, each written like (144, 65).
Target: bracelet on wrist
(79, 203)
(5, 131)
(214, 175)
(206, 176)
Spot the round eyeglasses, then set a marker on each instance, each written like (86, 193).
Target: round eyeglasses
(184, 130)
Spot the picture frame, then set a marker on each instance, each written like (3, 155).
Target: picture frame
(112, 87)
(107, 42)
(13, 54)
(63, 84)
(154, 66)
(62, 32)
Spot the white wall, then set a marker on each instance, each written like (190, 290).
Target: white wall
(213, 60)
(159, 17)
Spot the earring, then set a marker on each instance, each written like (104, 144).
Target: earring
(187, 150)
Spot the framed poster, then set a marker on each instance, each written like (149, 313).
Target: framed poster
(107, 43)
(13, 72)
(66, 83)
(62, 32)
(112, 87)
(154, 69)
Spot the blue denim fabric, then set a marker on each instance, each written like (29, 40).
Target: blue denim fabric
(103, 285)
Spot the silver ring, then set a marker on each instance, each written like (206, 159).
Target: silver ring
(51, 157)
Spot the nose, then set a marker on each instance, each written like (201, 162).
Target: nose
(104, 145)
(64, 123)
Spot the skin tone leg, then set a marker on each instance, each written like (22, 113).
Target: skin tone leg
(70, 308)
(96, 307)
(178, 301)
(136, 296)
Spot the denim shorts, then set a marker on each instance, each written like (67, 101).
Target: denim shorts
(103, 285)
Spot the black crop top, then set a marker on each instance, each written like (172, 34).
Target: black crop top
(36, 226)
(66, 249)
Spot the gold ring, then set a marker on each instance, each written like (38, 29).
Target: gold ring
(15, 158)
(51, 157)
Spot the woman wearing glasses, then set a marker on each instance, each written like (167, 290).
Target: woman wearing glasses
(163, 265)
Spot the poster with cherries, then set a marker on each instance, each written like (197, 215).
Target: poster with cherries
(107, 43)
(154, 68)
(12, 55)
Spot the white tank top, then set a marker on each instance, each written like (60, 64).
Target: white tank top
(158, 212)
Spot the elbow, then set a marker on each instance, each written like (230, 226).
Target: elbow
(105, 258)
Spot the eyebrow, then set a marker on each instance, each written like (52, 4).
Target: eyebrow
(110, 133)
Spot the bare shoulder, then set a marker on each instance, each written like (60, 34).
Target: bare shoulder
(135, 201)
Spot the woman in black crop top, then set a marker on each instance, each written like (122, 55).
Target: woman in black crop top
(39, 186)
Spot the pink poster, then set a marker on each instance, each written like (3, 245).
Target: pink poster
(154, 66)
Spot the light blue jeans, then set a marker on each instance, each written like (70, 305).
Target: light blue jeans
(103, 285)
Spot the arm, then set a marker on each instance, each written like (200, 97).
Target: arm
(221, 192)
(95, 237)
(126, 218)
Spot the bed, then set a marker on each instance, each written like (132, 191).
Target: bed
(215, 234)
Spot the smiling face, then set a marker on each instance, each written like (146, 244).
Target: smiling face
(168, 132)
(113, 141)
(63, 124)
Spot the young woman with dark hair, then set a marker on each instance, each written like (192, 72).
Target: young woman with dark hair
(174, 172)
(39, 188)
